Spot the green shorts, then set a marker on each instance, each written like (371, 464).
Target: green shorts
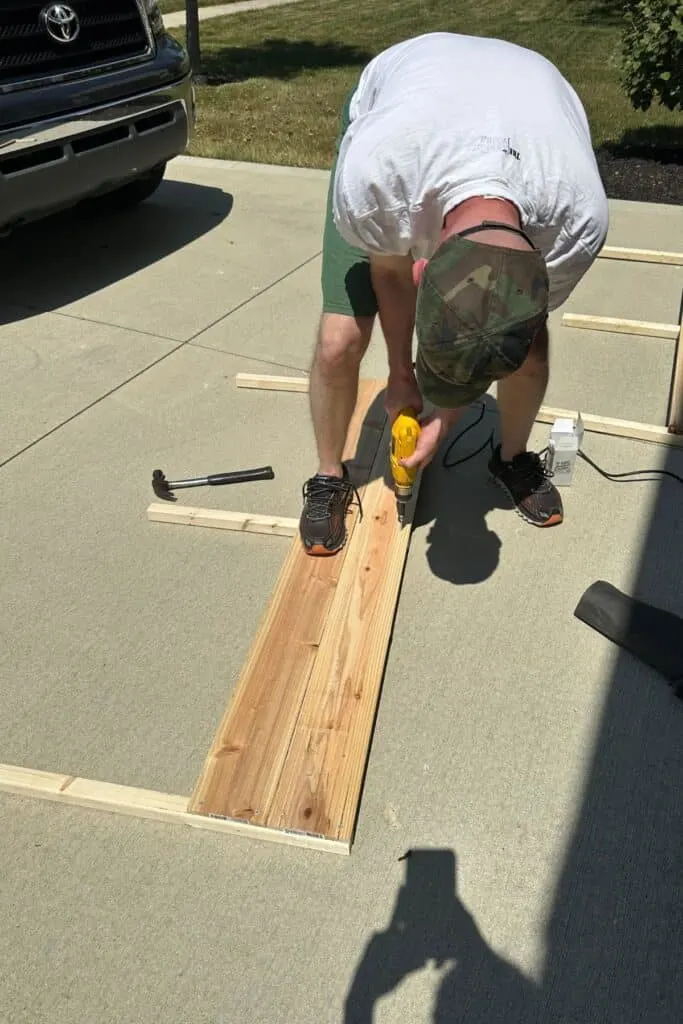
(346, 283)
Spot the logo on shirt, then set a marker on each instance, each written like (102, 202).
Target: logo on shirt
(486, 143)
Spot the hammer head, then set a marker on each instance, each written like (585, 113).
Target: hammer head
(160, 486)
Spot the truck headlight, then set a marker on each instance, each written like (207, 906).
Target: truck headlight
(156, 20)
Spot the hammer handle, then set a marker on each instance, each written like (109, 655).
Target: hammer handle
(163, 487)
(241, 476)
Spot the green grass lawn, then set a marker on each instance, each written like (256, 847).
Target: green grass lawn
(280, 75)
(166, 6)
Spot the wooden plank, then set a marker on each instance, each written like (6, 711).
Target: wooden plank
(615, 252)
(675, 412)
(244, 763)
(597, 424)
(242, 522)
(321, 782)
(614, 427)
(141, 803)
(266, 382)
(646, 328)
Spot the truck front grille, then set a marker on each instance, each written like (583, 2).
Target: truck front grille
(90, 32)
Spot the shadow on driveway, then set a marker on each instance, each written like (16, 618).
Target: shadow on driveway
(48, 264)
(462, 548)
(614, 938)
(429, 922)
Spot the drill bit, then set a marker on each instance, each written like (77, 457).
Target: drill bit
(403, 499)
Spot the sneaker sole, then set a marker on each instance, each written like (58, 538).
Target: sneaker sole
(553, 521)
(318, 551)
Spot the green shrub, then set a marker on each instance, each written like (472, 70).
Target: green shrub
(652, 53)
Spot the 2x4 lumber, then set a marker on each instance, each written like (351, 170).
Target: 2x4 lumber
(320, 786)
(646, 328)
(604, 424)
(675, 411)
(615, 252)
(614, 427)
(138, 803)
(243, 766)
(242, 522)
(268, 382)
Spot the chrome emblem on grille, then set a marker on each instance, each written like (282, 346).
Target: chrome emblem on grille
(61, 23)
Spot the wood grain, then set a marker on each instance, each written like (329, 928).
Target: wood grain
(140, 803)
(242, 522)
(320, 787)
(244, 764)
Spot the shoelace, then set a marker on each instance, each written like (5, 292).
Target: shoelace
(533, 470)
(646, 475)
(319, 493)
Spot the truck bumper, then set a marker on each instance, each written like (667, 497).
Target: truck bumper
(53, 164)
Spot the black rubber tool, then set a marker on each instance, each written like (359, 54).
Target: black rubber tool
(653, 635)
(163, 488)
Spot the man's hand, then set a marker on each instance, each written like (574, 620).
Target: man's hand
(433, 430)
(402, 391)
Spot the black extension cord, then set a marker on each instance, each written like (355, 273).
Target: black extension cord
(631, 477)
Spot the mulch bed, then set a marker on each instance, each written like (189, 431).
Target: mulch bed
(642, 174)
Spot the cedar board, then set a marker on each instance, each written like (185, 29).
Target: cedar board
(291, 750)
(134, 802)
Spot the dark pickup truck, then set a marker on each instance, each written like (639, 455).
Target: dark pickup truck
(95, 99)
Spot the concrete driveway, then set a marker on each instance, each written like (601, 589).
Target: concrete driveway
(535, 766)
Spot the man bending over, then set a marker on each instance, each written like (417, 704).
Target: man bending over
(464, 204)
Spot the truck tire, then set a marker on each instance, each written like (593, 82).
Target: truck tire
(133, 192)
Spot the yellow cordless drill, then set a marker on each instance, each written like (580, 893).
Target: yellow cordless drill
(404, 434)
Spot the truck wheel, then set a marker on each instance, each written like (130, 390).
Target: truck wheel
(133, 192)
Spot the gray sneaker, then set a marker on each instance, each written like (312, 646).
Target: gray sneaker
(322, 526)
(527, 483)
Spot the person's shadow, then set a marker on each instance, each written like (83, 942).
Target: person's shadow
(455, 498)
(429, 922)
(455, 495)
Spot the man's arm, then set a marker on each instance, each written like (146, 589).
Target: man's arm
(392, 280)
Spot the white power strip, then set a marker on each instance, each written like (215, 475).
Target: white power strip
(565, 440)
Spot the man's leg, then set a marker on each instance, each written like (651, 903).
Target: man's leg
(519, 472)
(348, 312)
(520, 396)
(333, 389)
(333, 385)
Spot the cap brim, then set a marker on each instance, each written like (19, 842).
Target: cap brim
(446, 394)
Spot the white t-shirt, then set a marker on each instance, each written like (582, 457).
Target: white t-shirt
(443, 117)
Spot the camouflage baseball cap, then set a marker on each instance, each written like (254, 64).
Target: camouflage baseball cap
(478, 309)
